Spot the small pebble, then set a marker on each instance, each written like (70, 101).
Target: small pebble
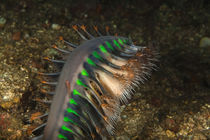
(205, 42)
(86, 15)
(2, 21)
(123, 137)
(170, 133)
(16, 36)
(124, 116)
(26, 35)
(55, 26)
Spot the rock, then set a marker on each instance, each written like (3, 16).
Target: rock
(123, 137)
(170, 133)
(55, 26)
(26, 36)
(124, 116)
(10, 127)
(2, 21)
(205, 42)
(171, 125)
(16, 36)
(199, 136)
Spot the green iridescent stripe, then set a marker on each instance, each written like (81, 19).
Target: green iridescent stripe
(80, 83)
(96, 55)
(90, 62)
(103, 49)
(84, 72)
(109, 45)
(72, 101)
(69, 110)
(66, 119)
(121, 42)
(66, 128)
(75, 92)
(117, 44)
(60, 136)
(124, 41)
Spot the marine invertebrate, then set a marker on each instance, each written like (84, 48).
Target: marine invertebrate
(98, 76)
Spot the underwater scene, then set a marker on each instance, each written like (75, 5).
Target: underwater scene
(104, 70)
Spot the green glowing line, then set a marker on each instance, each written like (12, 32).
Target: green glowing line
(66, 128)
(96, 55)
(66, 119)
(103, 49)
(80, 83)
(117, 44)
(60, 136)
(109, 45)
(75, 92)
(90, 62)
(84, 72)
(121, 42)
(69, 110)
(72, 101)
